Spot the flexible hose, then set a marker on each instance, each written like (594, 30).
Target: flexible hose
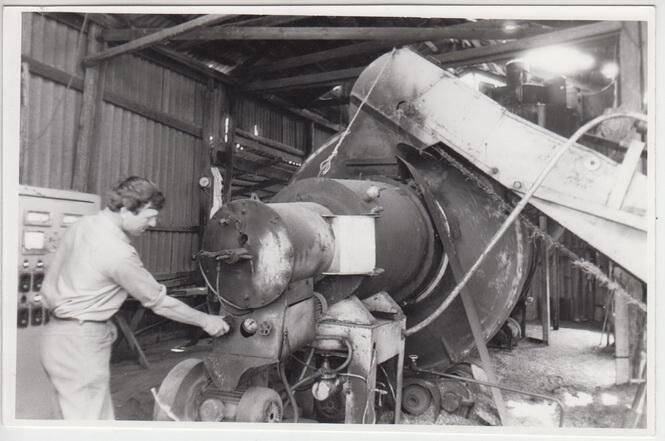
(289, 393)
(516, 212)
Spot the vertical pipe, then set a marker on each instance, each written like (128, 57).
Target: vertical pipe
(556, 288)
(545, 302)
(621, 330)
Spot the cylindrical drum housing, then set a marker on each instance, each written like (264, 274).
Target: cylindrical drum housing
(286, 243)
(405, 242)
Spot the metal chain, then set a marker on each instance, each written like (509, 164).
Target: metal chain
(535, 232)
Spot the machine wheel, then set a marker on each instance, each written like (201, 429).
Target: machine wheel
(259, 405)
(181, 391)
(418, 395)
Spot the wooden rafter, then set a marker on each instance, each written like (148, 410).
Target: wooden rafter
(266, 169)
(327, 55)
(493, 27)
(155, 38)
(260, 186)
(480, 30)
(504, 51)
(269, 20)
(315, 117)
(305, 81)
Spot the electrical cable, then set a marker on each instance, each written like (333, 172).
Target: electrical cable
(289, 392)
(516, 212)
(210, 287)
(390, 386)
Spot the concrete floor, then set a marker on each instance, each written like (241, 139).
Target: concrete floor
(573, 368)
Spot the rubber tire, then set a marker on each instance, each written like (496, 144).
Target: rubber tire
(255, 406)
(179, 390)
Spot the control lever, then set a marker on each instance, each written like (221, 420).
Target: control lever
(229, 256)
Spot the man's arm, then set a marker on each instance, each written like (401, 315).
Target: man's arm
(174, 309)
(130, 273)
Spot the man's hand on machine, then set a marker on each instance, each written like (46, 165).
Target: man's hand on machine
(215, 325)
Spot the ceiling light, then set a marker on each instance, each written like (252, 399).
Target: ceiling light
(610, 70)
(560, 60)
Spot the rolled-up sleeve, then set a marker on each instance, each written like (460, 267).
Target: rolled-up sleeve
(128, 271)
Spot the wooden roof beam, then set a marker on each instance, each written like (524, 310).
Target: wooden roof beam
(511, 49)
(305, 81)
(155, 38)
(260, 186)
(478, 30)
(265, 20)
(458, 31)
(312, 116)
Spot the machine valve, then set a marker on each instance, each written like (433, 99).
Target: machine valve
(249, 327)
(265, 328)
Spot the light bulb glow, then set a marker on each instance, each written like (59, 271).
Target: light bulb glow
(610, 70)
(560, 60)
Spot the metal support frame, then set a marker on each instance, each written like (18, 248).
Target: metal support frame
(374, 341)
(467, 300)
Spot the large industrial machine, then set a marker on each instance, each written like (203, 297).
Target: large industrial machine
(323, 285)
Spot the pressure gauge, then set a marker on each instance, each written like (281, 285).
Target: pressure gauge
(204, 182)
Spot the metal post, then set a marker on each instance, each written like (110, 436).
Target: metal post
(545, 293)
(474, 321)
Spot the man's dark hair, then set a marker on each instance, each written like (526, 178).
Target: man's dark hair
(135, 193)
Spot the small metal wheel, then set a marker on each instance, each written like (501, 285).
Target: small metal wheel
(418, 395)
(181, 390)
(259, 405)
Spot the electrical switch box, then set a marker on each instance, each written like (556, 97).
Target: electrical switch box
(44, 216)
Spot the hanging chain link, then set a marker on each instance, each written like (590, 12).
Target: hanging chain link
(536, 233)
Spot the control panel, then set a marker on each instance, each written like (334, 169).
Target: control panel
(45, 214)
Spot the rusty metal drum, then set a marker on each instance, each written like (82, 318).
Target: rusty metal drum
(281, 243)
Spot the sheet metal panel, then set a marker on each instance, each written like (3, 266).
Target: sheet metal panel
(156, 87)
(320, 135)
(52, 125)
(133, 145)
(272, 123)
(51, 42)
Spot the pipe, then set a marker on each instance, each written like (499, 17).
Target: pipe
(338, 369)
(516, 212)
(307, 364)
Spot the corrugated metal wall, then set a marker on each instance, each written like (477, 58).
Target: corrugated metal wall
(271, 123)
(320, 135)
(129, 143)
(131, 140)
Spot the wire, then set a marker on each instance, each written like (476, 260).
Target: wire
(219, 297)
(390, 386)
(64, 93)
(164, 407)
(324, 167)
(289, 392)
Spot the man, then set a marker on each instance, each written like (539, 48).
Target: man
(93, 271)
